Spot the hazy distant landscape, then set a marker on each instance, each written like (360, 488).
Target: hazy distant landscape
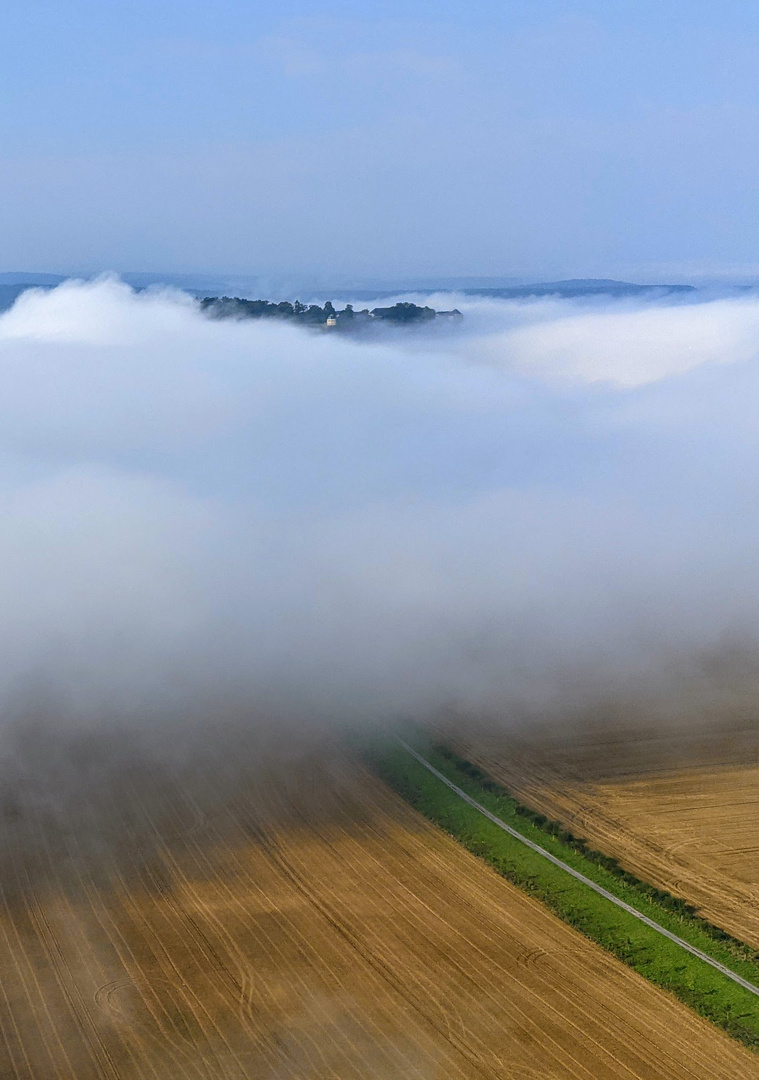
(13, 284)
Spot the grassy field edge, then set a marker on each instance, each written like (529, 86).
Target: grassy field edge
(662, 962)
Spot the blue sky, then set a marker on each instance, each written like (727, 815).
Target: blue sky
(532, 139)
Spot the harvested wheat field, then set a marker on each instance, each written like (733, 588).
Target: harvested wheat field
(251, 915)
(681, 814)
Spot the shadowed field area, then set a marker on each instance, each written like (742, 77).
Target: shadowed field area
(679, 809)
(243, 912)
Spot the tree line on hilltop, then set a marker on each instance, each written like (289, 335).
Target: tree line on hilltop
(327, 316)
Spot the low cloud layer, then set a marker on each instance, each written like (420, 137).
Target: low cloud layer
(549, 509)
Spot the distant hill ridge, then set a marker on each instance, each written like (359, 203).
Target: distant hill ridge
(12, 284)
(579, 287)
(572, 287)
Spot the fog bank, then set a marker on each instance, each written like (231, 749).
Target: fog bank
(549, 510)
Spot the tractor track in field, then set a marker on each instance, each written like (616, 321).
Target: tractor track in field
(704, 957)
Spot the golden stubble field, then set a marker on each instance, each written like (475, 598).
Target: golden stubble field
(246, 913)
(678, 807)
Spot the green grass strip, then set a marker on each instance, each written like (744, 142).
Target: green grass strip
(710, 993)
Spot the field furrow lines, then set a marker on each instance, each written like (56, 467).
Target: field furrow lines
(298, 921)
